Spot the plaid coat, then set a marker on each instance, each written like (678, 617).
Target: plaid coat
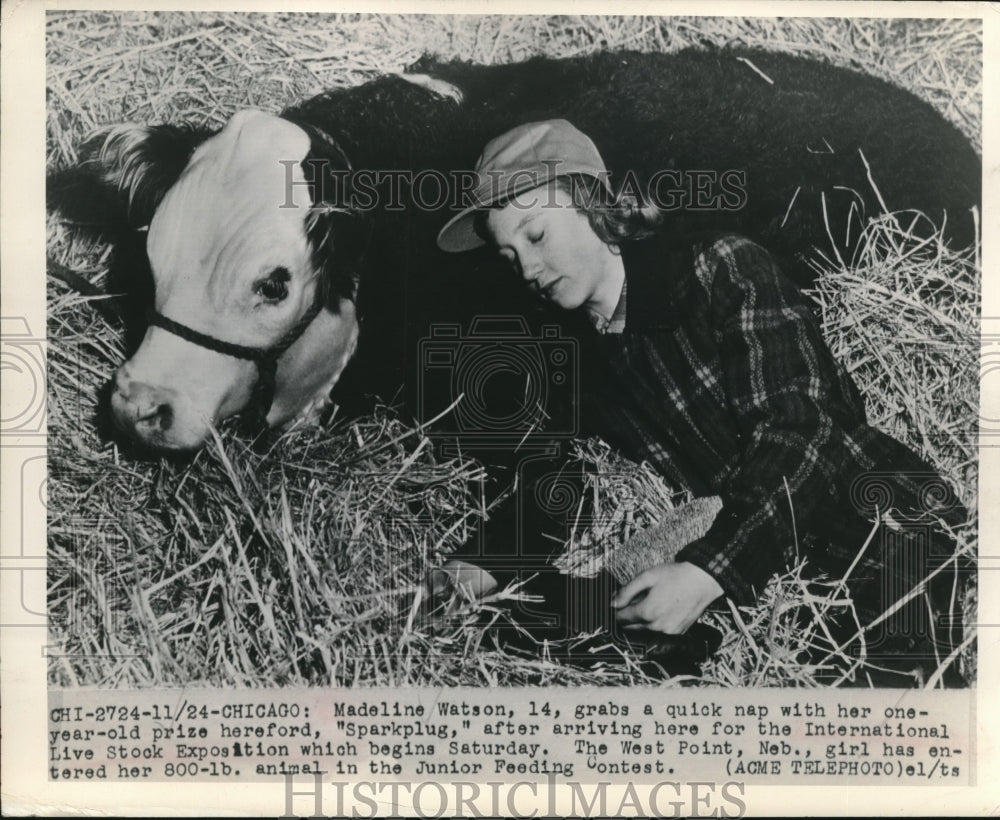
(714, 370)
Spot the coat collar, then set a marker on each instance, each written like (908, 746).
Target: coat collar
(658, 275)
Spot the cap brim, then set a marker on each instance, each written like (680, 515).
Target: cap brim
(459, 233)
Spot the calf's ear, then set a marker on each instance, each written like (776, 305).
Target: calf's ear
(142, 162)
(339, 241)
(338, 231)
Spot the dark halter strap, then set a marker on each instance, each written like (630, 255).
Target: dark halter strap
(254, 415)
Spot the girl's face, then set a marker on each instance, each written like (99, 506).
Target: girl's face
(554, 249)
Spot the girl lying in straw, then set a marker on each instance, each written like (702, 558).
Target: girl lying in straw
(706, 362)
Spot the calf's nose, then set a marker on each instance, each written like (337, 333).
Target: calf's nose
(140, 408)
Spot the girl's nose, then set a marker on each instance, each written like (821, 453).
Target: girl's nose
(531, 267)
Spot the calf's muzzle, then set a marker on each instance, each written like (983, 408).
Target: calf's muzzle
(254, 415)
(147, 411)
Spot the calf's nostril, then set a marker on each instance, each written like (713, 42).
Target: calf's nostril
(160, 416)
(166, 412)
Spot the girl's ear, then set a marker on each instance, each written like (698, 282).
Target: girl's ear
(142, 162)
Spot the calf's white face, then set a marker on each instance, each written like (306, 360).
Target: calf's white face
(230, 262)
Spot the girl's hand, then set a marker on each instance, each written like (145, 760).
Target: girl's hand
(675, 596)
(474, 581)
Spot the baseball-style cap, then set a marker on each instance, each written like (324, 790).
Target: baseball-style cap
(523, 158)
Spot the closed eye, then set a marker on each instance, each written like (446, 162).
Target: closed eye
(275, 287)
(537, 236)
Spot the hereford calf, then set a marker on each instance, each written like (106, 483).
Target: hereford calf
(270, 239)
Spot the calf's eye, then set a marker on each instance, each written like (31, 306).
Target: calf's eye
(275, 287)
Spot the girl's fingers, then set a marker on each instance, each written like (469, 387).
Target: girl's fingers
(624, 596)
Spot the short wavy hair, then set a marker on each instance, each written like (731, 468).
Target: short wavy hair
(614, 218)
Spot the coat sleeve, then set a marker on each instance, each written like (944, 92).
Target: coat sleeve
(793, 409)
